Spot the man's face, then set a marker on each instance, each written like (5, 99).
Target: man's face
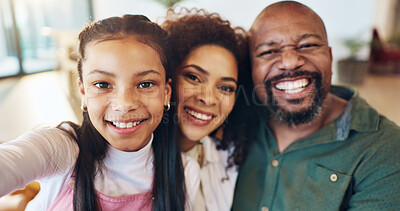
(291, 64)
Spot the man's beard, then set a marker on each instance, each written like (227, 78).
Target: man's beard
(298, 117)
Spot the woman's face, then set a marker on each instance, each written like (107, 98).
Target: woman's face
(206, 85)
(125, 91)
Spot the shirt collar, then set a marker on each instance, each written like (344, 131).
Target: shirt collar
(357, 115)
(210, 150)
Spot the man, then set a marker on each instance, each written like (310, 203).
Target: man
(315, 146)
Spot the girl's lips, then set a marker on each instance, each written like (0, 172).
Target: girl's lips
(126, 127)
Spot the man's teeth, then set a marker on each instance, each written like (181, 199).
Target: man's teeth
(125, 124)
(292, 87)
(199, 115)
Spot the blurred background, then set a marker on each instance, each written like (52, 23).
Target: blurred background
(38, 39)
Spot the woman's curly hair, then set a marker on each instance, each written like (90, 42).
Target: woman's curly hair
(189, 29)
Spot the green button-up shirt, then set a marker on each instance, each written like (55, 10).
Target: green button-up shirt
(352, 163)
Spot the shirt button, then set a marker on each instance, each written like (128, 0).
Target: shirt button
(334, 177)
(274, 163)
(264, 208)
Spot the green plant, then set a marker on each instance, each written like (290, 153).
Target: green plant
(169, 3)
(354, 46)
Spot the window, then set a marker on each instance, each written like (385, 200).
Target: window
(28, 30)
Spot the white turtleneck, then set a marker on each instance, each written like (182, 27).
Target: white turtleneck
(49, 156)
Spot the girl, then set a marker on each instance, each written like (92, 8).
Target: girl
(211, 67)
(112, 161)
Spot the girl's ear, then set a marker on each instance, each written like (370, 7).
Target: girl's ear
(168, 92)
(82, 93)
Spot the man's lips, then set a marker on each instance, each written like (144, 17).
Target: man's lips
(292, 86)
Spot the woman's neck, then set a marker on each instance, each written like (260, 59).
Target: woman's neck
(185, 144)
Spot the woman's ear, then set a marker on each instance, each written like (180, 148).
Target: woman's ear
(168, 92)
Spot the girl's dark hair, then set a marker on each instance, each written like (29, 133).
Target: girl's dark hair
(168, 184)
(189, 29)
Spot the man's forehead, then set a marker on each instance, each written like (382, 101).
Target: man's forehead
(288, 21)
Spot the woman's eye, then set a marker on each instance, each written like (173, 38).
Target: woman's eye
(193, 77)
(146, 84)
(102, 85)
(228, 88)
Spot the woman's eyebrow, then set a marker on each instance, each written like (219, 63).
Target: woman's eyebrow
(197, 68)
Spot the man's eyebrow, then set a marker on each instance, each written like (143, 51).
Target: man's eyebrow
(146, 72)
(96, 71)
(273, 43)
(269, 43)
(197, 68)
(305, 36)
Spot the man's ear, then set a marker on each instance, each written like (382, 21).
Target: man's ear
(168, 92)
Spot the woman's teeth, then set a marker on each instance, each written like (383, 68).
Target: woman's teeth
(198, 115)
(292, 87)
(125, 124)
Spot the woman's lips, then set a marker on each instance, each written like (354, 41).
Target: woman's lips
(198, 117)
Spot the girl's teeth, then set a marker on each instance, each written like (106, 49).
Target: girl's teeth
(125, 125)
(199, 115)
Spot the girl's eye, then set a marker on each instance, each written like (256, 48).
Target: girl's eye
(146, 84)
(102, 85)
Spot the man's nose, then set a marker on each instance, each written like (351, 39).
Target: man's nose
(290, 60)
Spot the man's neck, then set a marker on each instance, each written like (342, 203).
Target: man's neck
(333, 107)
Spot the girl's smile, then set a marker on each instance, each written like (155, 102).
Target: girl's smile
(125, 91)
(206, 87)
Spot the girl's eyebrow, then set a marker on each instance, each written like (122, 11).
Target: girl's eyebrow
(143, 73)
(102, 72)
(146, 72)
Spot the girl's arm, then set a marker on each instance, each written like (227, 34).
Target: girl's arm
(34, 155)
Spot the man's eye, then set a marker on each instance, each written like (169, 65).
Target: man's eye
(307, 46)
(146, 84)
(102, 85)
(268, 53)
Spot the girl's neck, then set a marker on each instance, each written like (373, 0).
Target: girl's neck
(185, 144)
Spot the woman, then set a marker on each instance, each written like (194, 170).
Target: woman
(210, 64)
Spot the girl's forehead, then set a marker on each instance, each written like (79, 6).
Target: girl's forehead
(122, 56)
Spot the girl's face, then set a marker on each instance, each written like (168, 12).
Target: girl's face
(206, 84)
(125, 91)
